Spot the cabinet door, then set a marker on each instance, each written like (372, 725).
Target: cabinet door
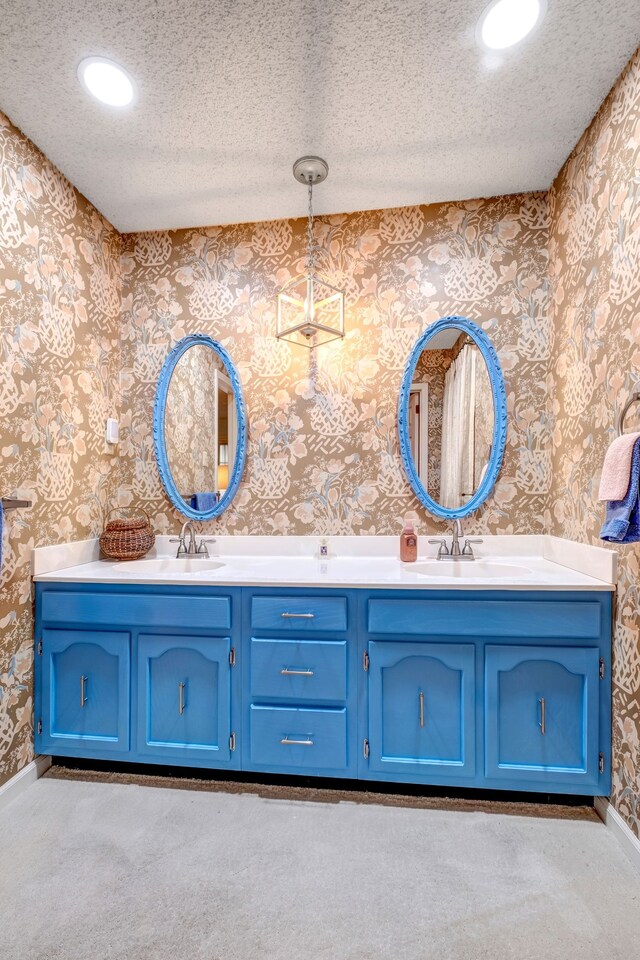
(421, 708)
(542, 714)
(184, 697)
(85, 691)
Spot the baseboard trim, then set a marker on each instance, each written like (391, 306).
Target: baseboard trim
(625, 836)
(17, 785)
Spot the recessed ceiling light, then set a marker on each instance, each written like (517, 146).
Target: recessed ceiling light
(106, 81)
(506, 22)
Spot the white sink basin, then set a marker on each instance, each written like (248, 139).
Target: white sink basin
(170, 565)
(469, 569)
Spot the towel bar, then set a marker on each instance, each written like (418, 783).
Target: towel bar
(10, 503)
(634, 398)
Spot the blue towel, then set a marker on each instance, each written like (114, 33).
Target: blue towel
(204, 501)
(622, 517)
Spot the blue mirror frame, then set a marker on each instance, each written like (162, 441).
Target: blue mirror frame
(159, 422)
(499, 423)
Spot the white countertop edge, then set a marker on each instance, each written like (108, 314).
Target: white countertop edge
(562, 564)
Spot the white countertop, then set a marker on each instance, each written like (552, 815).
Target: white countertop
(508, 563)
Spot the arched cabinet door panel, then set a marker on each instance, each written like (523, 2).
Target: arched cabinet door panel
(85, 691)
(542, 716)
(421, 708)
(185, 697)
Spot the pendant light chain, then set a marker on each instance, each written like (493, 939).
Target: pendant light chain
(311, 260)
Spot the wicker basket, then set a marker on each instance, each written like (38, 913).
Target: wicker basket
(127, 539)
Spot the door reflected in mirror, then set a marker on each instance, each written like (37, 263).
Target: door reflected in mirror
(450, 417)
(200, 427)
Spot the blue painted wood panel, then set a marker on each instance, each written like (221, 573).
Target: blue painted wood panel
(298, 669)
(185, 697)
(185, 620)
(85, 691)
(542, 713)
(299, 614)
(299, 738)
(421, 707)
(144, 610)
(413, 616)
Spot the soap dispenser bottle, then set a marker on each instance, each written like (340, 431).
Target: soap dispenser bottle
(408, 542)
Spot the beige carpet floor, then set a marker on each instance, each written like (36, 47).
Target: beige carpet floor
(115, 867)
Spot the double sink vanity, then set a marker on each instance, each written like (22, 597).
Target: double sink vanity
(267, 657)
(329, 656)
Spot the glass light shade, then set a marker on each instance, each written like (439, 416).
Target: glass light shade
(310, 311)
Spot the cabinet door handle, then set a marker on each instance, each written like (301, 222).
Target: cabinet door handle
(286, 672)
(300, 743)
(181, 687)
(421, 703)
(83, 697)
(543, 716)
(297, 616)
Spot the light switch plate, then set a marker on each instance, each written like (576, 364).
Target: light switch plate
(112, 431)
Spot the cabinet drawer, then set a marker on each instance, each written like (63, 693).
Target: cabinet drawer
(485, 618)
(299, 614)
(299, 669)
(136, 610)
(299, 737)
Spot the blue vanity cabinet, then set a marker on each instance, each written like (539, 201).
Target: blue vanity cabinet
(300, 681)
(492, 689)
(184, 697)
(161, 666)
(503, 690)
(545, 722)
(421, 708)
(85, 680)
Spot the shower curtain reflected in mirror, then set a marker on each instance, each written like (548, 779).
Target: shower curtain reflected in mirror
(467, 427)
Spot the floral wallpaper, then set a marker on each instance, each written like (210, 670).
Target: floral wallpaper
(595, 306)
(430, 370)
(323, 455)
(59, 364)
(190, 421)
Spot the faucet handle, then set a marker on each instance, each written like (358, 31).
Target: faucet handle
(443, 549)
(202, 547)
(182, 547)
(467, 551)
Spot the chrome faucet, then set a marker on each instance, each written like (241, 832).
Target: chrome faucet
(454, 552)
(194, 549)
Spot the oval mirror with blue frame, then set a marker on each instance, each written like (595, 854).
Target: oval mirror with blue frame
(199, 427)
(452, 417)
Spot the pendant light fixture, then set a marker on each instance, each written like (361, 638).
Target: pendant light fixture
(310, 309)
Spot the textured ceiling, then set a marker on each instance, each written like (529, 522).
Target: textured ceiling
(394, 93)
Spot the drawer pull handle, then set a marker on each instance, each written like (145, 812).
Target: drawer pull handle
(83, 697)
(543, 716)
(181, 704)
(297, 616)
(421, 704)
(286, 672)
(299, 743)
